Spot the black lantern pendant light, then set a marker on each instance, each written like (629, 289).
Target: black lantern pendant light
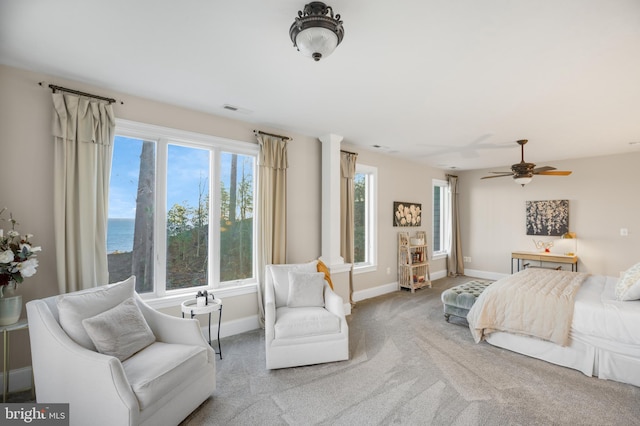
(316, 32)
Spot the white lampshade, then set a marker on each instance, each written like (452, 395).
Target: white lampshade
(316, 42)
(522, 180)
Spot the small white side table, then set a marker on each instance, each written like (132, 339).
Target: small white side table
(189, 307)
(20, 325)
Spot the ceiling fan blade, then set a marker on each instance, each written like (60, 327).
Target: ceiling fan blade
(504, 174)
(543, 169)
(554, 173)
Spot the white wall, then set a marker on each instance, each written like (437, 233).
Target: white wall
(603, 197)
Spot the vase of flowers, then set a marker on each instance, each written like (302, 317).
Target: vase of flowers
(17, 262)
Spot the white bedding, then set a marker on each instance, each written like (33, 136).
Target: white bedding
(597, 313)
(604, 336)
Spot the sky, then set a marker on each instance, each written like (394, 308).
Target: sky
(187, 167)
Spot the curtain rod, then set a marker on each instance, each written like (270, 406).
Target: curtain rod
(77, 92)
(449, 175)
(286, 138)
(349, 152)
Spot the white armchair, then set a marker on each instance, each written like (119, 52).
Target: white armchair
(158, 385)
(298, 331)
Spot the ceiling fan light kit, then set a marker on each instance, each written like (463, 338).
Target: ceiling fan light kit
(523, 172)
(316, 32)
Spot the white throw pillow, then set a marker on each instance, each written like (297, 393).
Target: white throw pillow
(74, 307)
(306, 289)
(280, 275)
(628, 286)
(121, 331)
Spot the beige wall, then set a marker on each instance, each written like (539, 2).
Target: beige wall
(398, 180)
(26, 150)
(603, 197)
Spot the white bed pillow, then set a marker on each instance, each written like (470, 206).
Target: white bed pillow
(306, 289)
(74, 307)
(121, 331)
(628, 286)
(280, 275)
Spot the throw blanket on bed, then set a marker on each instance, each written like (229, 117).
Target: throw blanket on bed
(533, 302)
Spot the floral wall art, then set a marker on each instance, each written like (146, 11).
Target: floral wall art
(407, 214)
(549, 217)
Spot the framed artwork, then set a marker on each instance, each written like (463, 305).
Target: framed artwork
(407, 214)
(549, 217)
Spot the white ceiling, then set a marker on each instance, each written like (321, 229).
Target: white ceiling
(445, 82)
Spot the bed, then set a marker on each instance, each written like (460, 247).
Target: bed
(603, 332)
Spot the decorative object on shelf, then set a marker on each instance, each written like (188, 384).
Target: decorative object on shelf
(17, 262)
(407, 214)
(316, 32)
(202, 298)
(550, 217)
(543, 245)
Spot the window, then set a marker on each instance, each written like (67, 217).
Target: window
(180, 210)
(441, 215)
(365, 218)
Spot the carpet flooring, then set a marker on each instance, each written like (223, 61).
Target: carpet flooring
(409, 366)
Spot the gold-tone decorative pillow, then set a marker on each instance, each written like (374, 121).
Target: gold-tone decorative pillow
(327, 275)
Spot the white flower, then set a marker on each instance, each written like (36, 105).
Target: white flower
(28, 267)
(13, 234)
(6, 256)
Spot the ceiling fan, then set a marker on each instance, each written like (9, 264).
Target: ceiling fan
(522, 172)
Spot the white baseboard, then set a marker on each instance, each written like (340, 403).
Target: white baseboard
(230, 328)
(486, 275)
(20, 379)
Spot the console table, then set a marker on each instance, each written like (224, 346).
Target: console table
(542, 257)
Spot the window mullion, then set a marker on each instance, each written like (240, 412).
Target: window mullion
(161, 219)
(214, 224)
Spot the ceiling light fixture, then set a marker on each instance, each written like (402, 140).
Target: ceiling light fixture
(316, 32)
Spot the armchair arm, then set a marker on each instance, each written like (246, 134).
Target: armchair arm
(269, 308)
(332, 302)
(63, 370)
(170, 329)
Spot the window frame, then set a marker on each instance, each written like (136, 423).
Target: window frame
(371, 219)
(444, 215)
(163, 136)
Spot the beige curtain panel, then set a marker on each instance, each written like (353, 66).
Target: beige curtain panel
(347, 207)
(272, 208)
(455, 263)
(83, 132)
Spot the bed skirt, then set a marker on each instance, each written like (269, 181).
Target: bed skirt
(592, 356)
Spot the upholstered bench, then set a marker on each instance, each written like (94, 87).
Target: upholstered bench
(459, 299)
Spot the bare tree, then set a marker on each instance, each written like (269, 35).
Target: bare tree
(142, 265)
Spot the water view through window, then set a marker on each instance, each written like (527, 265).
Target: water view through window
(186, 225)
